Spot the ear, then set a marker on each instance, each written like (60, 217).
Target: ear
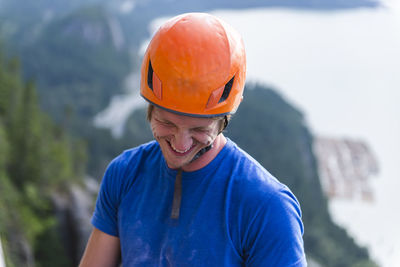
(150, 109)
(225, 122)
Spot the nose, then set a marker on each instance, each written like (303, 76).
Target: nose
(182, 141)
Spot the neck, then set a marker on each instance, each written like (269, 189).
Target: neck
(207, 157)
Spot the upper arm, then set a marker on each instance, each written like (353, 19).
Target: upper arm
(275, 237)
(102, 250)
(105, 216)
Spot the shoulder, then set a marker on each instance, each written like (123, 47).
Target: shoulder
(250, 178)
(266, 213)
(258, 194)
(118, 179)
(121, 172)
(131, 158)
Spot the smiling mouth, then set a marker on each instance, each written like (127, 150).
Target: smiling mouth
(180, 152)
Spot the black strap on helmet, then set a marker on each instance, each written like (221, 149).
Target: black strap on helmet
(201, 152)
(207, 148)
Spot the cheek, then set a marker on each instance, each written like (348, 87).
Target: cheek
(206, 139)
(159, 131)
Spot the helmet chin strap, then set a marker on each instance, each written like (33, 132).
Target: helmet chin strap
(202, 152)
(207, 148)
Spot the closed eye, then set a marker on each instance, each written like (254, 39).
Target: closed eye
(165, 123)
(200, 130)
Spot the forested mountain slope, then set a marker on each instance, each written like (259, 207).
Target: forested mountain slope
(37, 160)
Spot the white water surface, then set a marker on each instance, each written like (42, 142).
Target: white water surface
(342, 69)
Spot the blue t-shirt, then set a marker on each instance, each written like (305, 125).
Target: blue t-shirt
(233, 212)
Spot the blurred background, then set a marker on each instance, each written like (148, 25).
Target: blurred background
(320, 112)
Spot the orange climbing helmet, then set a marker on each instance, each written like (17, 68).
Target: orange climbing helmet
(195, 65)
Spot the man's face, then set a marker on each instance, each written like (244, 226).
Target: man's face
(182, 137)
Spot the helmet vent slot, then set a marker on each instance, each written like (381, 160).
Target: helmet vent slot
(150, 76)
(227, 90)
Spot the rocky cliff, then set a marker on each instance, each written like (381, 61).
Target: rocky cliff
(345, 167)
(73, 211)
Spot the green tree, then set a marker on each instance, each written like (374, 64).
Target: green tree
(37, 160)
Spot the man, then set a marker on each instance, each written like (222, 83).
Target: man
(192, 197)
